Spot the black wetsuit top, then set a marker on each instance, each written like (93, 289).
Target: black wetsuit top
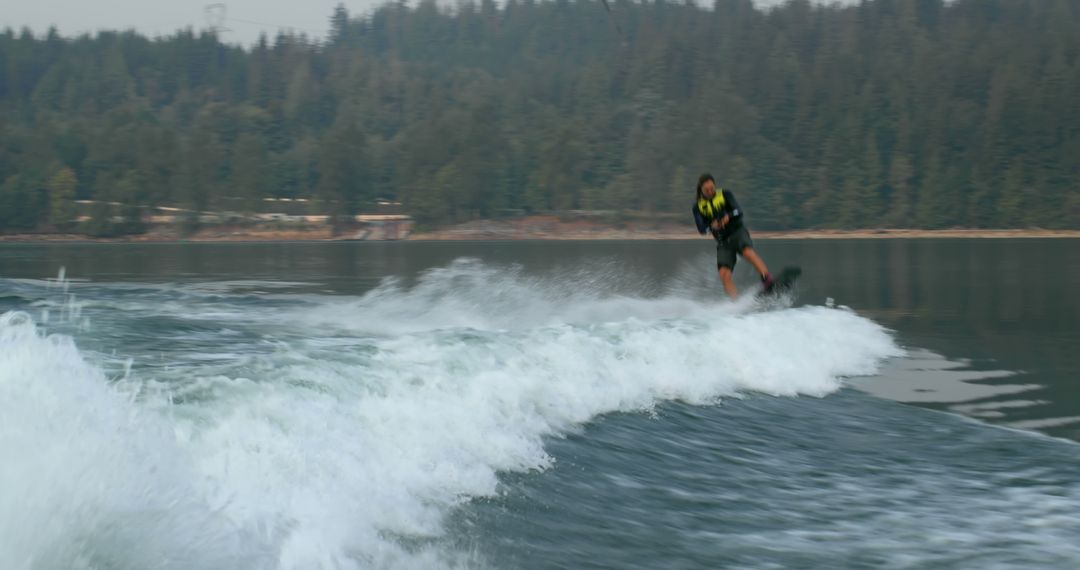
(731, 208)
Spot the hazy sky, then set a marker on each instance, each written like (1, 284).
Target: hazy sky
(245, 19)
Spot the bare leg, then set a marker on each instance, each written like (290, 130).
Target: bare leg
(729, 285)
(750, 255)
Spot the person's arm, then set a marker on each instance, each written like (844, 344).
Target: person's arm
(702, 224)
(734, 212)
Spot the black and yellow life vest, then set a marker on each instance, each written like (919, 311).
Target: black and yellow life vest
(714, 208)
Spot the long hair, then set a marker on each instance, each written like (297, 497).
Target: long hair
(701, 182)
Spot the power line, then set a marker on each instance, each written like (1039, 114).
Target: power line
(217, 14)
(279, 26)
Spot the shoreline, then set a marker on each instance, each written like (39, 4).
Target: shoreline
(1032, 233)
(550, 232)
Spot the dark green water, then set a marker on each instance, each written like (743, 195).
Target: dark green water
(541, 405)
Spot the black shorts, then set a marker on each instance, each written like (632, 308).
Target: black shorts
(727, 247)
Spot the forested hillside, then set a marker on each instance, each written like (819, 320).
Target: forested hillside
(898, 113)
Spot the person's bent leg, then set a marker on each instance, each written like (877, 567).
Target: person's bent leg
(729, 284)
(759, 265)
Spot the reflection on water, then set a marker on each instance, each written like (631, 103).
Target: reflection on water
(929, 379)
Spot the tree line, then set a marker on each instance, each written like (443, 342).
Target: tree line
(897, 113)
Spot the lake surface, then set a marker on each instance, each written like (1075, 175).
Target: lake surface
(538, 405)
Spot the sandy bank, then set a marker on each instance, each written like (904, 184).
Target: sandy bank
(536, 228)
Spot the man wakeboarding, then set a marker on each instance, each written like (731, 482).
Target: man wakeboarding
(717, 212)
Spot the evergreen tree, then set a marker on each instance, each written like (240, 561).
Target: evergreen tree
(61, 190)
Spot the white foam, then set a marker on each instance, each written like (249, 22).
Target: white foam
(359, 448)
(88, 480)
(469, 294)
(335, 446)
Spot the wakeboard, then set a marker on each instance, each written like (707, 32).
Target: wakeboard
(782, 283)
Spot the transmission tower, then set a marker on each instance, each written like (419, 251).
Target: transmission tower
(215, 17)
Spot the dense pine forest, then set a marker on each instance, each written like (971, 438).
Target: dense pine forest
(889, 113)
